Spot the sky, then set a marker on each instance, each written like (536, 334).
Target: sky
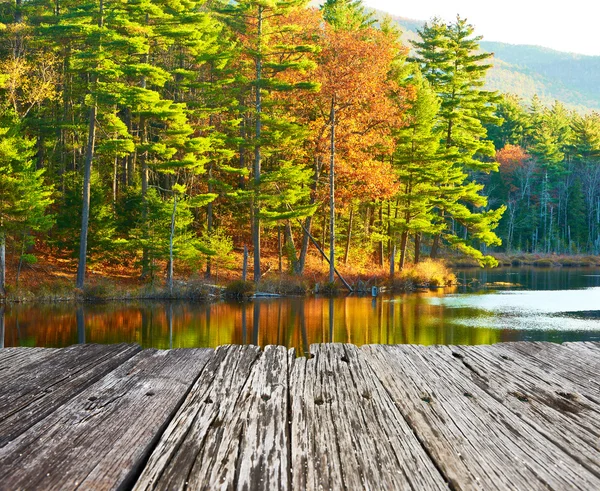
(514, 21)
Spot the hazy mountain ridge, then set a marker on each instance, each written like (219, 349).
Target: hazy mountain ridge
(527, 70)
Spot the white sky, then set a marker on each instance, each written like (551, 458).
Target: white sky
(565, 26)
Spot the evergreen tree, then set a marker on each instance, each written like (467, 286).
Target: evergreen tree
(262, 26)
(417, 161)
(24, 197)
(451, 61)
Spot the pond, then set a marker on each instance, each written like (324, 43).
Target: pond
(490, 306)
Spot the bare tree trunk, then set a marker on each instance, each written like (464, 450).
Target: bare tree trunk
(393, 262)
(308, 224)
(145, 179)
(403, 247)
(381, 241)
(349, 237)
(87, 176)
(209, 218)
(245, 265)
(435, 247)
(257, 155)
(417, 247)
(85, 211)
(171, 239)
(2, 264)
(332, 196)
(279, 247)
(289, 242)
(2, 326)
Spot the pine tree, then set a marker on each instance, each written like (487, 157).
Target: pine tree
(417, 162)
(451, 61)
(262, 28)
(24, 197)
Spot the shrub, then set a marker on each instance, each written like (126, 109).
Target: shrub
(330, 289)
(429, 273)
(239, 289)
(283, 285)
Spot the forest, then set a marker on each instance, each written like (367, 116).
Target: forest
(166, 135)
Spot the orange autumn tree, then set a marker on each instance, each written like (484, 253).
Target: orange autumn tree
(355, 114)
(516, 173)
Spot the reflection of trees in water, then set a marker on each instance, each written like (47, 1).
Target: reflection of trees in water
(293, 322)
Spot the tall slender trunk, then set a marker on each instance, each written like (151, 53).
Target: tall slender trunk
(381, 241)
(308, 223)
(85, 212)
(403, 244)
(87, 176)
(171, 240)
(2, 326)
(417, 247)
(2, 263)
(349, 237)
(115, 182)
(290, 246)
(332, 196)
(279, 249)
(434, 247)
(257, 154)
(209, 218)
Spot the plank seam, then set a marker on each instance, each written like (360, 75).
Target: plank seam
(132, 477)
(450, 484)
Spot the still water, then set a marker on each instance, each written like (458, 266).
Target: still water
(509, 304)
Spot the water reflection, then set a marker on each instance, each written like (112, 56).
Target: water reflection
(432, 317)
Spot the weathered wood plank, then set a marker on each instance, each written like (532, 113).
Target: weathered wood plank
(100, 439)
(548, 403)
(346, 431)
(251, 451)
(563, 361)
(28, 396)
(14, 360)
(476, 442)
(200, 433)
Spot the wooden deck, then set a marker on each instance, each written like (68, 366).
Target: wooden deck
(509, 416)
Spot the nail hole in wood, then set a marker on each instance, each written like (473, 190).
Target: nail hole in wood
(521, 397)
(504, 357)
(567, 395)
(208, 400)
(150, 393)
(319, 401)
(426, 399)
(366, 395)
(265, 397)
(93, 398)
(468, 394)
(345, 359)
(457, 355)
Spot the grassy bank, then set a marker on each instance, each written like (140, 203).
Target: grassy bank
(53, 279)
(529, 259)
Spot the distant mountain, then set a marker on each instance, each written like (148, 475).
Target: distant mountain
(527, 70)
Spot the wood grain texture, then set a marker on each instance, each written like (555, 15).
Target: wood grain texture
(14, 360)
(201, 432)
(508, 416)
(346, 431)
(44, 384)
(101, 438)
(551, 405)
(565, 361)
(477, 442)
